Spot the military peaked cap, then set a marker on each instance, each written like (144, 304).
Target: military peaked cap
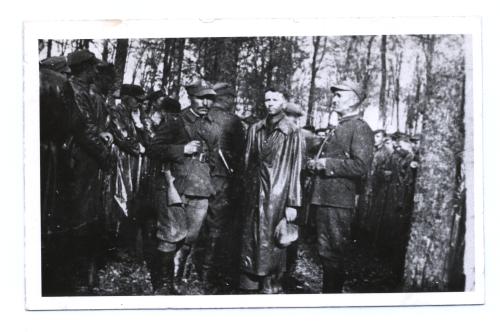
(132, 90)
(170, 105)
(350, 86)
(200, 89)
(106, 68)
(155, 95)
(224, 89)
(292, 109)
(80, 57)
(56, 63)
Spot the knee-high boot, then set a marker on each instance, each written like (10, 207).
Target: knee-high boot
(333, 279)
(180, 260)
(166, 275)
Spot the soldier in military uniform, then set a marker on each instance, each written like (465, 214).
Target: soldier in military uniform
(345, 158)
(226, 158)
(190, 150)
(374, 192)
(89, 155)
(161, 141)
(403, 203)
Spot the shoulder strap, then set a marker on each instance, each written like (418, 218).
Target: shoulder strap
(322, 146)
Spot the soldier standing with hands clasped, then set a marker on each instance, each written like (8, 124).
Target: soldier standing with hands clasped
(344, 158)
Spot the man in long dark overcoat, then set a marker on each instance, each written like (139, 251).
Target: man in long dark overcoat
(273, 161)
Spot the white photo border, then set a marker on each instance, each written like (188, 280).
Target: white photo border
(100, 29)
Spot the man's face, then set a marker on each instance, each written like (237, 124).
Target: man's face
(226, 102)
(145, 106)
(389, 144)
(415, 145)
(274, 102)
(201, 105)
(379, 137)
(104, 83)
(404, 145)
(343, 101)
(132, 103)
(91, 73)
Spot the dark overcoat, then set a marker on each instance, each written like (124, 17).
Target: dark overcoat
(273, 160)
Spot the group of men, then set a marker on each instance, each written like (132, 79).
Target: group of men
(115, 159)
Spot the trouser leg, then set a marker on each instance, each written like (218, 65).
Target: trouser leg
(334, 234)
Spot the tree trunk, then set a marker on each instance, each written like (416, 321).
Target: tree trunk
(270, 63)
(174, 88)
(399, 60)
(383, 80)
(350, 48)
(367, 71)
(105, 50)
(434, 228)
(167, 62)
(120, 61)
(49, 48)
(64, 45)
(312, 88)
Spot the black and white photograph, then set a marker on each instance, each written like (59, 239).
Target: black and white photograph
(227, 168)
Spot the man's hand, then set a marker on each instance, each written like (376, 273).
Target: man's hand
(316, 165)
(192, 147)
(290, 214)
(136, 116)
(106, 137)
(142, 149)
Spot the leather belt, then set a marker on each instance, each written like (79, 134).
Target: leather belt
(201, 157)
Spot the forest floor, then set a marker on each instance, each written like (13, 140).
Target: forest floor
(366, 273)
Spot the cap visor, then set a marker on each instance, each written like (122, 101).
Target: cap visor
(340, 88)
(205, 92)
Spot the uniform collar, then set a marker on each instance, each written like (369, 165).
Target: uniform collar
(282, 123)
(349, 117)
(79, 81)
(192, 116)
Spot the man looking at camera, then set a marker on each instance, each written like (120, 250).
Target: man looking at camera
(273, 160)
(344, 158)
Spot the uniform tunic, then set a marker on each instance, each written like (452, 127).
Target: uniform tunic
(348, 152)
